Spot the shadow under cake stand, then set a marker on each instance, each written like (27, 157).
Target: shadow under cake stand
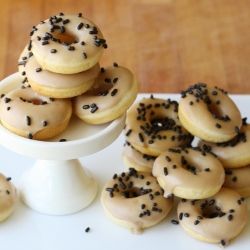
(57, 184)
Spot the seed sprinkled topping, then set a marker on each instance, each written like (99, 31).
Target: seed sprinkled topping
(28, 120)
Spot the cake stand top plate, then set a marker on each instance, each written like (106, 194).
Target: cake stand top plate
(82, 139)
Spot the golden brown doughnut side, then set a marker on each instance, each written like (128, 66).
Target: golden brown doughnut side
(135, 159)
(52, 84)
(237, 179)
(233, 153)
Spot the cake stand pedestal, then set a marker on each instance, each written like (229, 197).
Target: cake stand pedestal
(57, 184)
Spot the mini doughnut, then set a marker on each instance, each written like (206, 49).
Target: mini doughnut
(209, 113)
(134, 200)
(114, 91)
(55, 85)
(28, 114)
(152, 126)
(188, 173)
(67, 44)
(8, 197)
(133, 158)
(216, 219)
(238, 180)
(234, 153)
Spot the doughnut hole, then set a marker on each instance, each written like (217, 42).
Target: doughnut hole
(66, 38)
(132, 192)
(190, 166)
(211, 211)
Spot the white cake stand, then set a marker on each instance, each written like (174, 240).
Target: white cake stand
(57, 184)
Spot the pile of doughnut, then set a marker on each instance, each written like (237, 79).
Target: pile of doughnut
(60, 75)
(196, 151)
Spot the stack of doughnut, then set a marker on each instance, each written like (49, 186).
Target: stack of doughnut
(209, 180)
(60, 76)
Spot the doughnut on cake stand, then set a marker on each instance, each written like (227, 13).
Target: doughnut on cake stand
(57, 184)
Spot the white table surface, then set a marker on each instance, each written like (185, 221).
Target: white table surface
(26, 229)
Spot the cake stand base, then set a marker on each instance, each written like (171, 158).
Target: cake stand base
(57, 187)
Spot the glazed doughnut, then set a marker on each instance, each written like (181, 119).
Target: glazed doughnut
(152, 126)
(188, 173)
(28, 114)
(8, 197)
(134, 200)
(209, 113)
(238, 180)
(234, 153)
(133, 158)
(67, 44)
(216, 219)
(55, 85)
(115, 90)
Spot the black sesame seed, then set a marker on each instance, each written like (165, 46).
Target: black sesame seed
(62, 28)
(175, 222)
(28, 121)
(94, 109)
(84, 55)
(196, 222)
(223, 243)
(141, 137)
(87, 229)
(228, 172)
(230, 217)
(237, 129)
(85, 107)
(53, 51)
(114, 92)
(165, 170)
(180, 216)
(217, 125)
(128, 132)
(7, 192)
(45, 42)
(62, 140)
(79, 26)
(234, 179)
(167, 159)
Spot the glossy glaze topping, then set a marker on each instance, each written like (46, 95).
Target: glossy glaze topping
(191, 169)
(153, 123)
(217, 219)
(67, 42)
(210, 111)
(28, 111)
(135, 197)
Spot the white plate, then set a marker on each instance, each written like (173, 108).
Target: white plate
(27, 229)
